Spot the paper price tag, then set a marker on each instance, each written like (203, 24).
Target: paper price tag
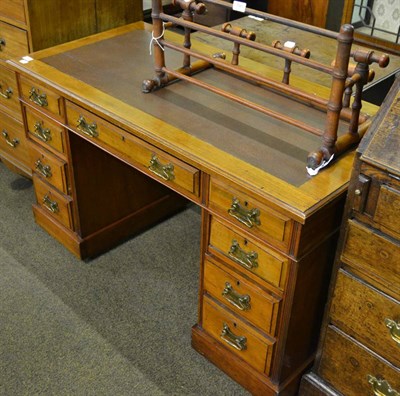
(239, 6)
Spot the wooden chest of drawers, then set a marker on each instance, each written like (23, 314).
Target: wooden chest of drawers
(359, 347)
(27, 26)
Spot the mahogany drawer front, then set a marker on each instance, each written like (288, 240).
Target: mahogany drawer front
(12, 138)
(164, 167)
(9, 93)
(41, 97)
(368, 315)
(247, 254)
(13, 9)
(238, 337)
(56, 204)
(250, 214)
(49, 167)
(353, 369)
(45, 131)
(373, 253)
(13, 41)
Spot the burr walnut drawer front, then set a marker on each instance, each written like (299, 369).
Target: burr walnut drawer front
(45, 131)
(13, 41)
(56, 204)
(247, 254)
(12, 138)
(243, 297)
(13, 9)
(373, 253)
(49, 167)
(250, 214)
(41, 97)
(145, 157)
(368, 315)
(238, 337)
(9, 93)
(355, 370)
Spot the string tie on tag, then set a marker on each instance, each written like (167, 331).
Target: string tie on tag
(155, 40)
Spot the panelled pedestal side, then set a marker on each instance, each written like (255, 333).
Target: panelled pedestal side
(359, 349)
(27, 26)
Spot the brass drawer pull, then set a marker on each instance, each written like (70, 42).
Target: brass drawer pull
(166, 172)
(241, 302)
(44, 170)
(237, 342)
(86, 128)
(44, 134)
(50, 205)
(12, 143)
(246, 259)
(2, 44)
(39, 98)
(381, 387)
(394, 329)
(7, 93)
(248, 217)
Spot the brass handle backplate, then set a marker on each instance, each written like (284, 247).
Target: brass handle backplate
(381, 387)
(44, 170)
(166, 172)
(248, 217)
(39, 98)
(87, 128)
(50, 205)
(7, 93)
(237, 342)
(241, 302)
(44, 134)
(2, 43)
(394, 328)
(246, 259)
(12, 143)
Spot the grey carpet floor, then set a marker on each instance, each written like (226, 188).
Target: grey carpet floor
(115, 325)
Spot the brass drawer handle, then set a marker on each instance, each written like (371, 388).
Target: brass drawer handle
(237, 342)
(2, 44)
(86, 128)
(166, 172)
(39, 98)
(7, 93)
(394, 328)
(241, 302)
(44, 134)
(12, 143)
(44, 170)
(248, 217)
(246, 259)
(50, 205)
(381, 387)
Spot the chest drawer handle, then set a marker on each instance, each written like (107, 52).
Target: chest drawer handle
(394, 329)
(2, 43)
(381, 387)
(12, 143)
(166, 172)
(237, 342)
(248, 217)
(50, 205)
(44, 134)
(241, 302)
(7, 93)
(44, 170)
(86, 128)
(247, 260)
(39, 98)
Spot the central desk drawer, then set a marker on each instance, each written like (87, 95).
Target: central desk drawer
(160, 165)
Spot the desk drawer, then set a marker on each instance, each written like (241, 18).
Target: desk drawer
(13, 41)
(48, 166)
(45, 131)
(250, 214)
(13, 9)
(9, 93)
(241, 296)
(387, 212)
(162, 166)
(245, 253)
(238, 337)
(56, 204)
(373, 253)
(353, 369)
(41, 97)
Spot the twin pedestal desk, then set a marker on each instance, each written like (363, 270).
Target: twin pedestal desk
(109, 161)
